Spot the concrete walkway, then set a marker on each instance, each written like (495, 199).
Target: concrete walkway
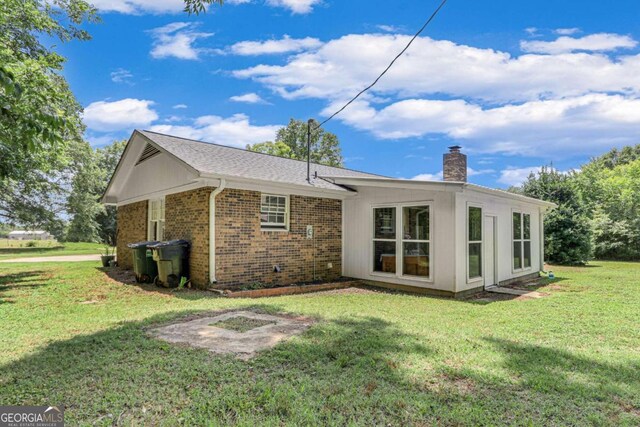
(516, 292)
(61, 258)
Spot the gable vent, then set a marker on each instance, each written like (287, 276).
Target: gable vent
(148, 152)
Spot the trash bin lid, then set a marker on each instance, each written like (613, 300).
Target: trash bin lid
(170, 243)
(142, 244)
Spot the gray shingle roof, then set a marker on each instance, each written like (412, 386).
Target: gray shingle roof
(217, 159)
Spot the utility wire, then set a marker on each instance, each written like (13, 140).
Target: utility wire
(433, 15)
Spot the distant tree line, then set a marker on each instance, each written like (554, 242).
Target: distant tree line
(598, 214)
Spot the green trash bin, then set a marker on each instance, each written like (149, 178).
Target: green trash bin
(172, 258)
(144, 266)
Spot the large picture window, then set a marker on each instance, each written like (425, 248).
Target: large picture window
(274, 212)
(521, 240)
(407, 252)
(474, 242)
(155, 228)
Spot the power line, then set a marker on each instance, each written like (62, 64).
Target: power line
(433, 15)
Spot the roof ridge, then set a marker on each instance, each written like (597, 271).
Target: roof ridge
(255, 152)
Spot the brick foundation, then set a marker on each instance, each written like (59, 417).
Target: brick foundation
(131, 227)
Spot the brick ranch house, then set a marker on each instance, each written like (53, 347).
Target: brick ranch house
(253, 217)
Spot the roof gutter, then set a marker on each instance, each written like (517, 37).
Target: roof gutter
(212, 230)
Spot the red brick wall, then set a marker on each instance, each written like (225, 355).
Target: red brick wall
(187, 217)
(246, 254)
(131, 227)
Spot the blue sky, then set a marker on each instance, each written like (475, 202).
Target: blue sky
(517, 84)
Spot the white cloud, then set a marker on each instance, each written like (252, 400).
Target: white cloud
(177, 40)
(592, 43)
(576, 125)
(533, 104)
(234, 131)
(121, 76)
(295, 6)
(515, 176)
(179, 106)
(342, 67)
(388, 28)
(438, 176)
(136, 7)
(268, 47)
(249, 98)
(532, 31)
(124, 114)
(566, 31)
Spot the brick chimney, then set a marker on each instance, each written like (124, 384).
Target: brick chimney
(455, 165)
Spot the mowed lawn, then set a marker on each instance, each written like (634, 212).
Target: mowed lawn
(70, 335)
(10, 249)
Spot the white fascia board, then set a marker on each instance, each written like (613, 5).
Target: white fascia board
(397, 183)
(158, 194)
(278, 187)
(506, 195)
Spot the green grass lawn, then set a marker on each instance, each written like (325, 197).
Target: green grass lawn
(70, 335)
(10, 249)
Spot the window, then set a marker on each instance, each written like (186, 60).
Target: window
(413, 245)
(274, 212)
(155, 229)
(384, 240)
(474, 241)
(415, 241)
(521, 241)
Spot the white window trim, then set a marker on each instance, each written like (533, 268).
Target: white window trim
(399, 240)
(276, 227)
(522, 240)
(466, 249)
(149, 220)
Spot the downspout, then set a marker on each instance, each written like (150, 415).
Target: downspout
(212, 230)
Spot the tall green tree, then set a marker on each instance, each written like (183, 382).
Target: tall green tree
(40, 122)
(92, 221)
(291, 142)
(108, 158)
(567, 228)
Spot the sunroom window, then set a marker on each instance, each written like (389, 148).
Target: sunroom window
(401, 245)
(274, 212)
(474, 242)
(521, 240)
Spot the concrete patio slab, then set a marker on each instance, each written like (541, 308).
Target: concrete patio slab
(517, 292)
(202, 333)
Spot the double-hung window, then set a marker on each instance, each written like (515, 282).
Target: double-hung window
(155, 228)
(521, 240)
(474, 242)
(274, 212)
(401, 240)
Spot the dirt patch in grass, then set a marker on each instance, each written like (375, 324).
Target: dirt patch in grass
(241, 323)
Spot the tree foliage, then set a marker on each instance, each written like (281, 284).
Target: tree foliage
(291, 142)
(197, 7)
(599, 208)
(38, 112)
(92, 221)
(40, 123)
(567, 228)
